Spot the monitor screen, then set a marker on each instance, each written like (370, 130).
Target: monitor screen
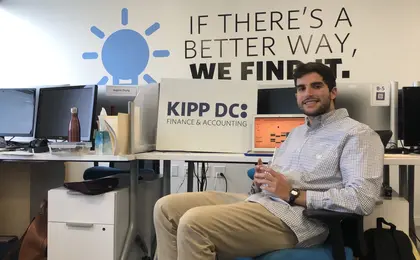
(17, 114)
(271, 131)
(277, 101)
(54, 114)
(410, 116)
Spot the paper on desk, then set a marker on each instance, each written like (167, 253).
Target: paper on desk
(110, 126)
(118, 128)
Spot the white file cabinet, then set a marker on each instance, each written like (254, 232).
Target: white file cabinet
(85, 227)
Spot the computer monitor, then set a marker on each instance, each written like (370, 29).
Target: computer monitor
(356, 98)
(17, 112)
(277, 100)
(54, 115)
(410, 118)
(270, 131)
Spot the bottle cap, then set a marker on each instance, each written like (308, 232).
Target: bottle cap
(73, 110)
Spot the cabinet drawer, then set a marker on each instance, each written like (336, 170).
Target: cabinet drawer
(68, 241)
(68, 206)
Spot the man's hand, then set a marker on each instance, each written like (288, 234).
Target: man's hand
(275, 182)
(257, 169)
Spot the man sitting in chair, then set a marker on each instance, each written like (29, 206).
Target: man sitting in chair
(331, 162)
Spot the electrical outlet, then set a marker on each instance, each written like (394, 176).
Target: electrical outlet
(219, 175)
(219, 169)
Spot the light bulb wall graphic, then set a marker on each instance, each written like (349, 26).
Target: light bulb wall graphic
(126, 53)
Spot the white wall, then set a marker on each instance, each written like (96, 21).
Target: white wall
(43, 41)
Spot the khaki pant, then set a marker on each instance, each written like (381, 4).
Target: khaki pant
(194, 226)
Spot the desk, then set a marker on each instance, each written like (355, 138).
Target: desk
(130, 236)
(406, 163)
(389, 159)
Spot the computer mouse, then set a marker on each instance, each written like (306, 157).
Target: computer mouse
(41, 142)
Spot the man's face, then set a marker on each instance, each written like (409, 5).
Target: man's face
(313, 96)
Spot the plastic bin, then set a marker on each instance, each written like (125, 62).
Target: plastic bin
(72, 148)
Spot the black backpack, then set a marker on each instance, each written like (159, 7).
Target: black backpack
(387, 244)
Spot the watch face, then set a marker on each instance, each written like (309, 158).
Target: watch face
(294, 193)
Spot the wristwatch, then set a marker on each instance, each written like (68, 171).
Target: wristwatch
(293, 194)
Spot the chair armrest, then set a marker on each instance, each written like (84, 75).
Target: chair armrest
(327, 215)
(346, 229)
(251, 173)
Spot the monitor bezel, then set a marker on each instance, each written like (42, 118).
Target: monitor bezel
(31, 134)
(92, 109)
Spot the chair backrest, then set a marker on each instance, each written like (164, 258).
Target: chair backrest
(385, 136)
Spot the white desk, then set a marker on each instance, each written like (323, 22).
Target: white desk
(390, 159)
(191, 157)
(131, 233)
(402, 159)
(12, 156)
(405, 160)
(406, 163)
(199, 157)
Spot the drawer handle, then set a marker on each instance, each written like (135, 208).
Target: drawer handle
(79, 225)
(70, 192)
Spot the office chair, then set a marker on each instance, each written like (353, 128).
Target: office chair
(345, 240)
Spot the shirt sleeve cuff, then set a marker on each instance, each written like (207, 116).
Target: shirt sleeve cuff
(314, 199)
(254, 189)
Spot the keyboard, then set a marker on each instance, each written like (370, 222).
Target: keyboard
(259, 153)
(398, 150)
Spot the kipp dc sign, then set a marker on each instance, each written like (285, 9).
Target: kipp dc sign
(206, 115)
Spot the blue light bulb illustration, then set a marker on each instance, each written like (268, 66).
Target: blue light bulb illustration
(126, 53)
(126, 47)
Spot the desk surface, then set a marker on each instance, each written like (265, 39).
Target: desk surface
(402, 159)
(390, 159)
(200, 157)
(12, 156)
